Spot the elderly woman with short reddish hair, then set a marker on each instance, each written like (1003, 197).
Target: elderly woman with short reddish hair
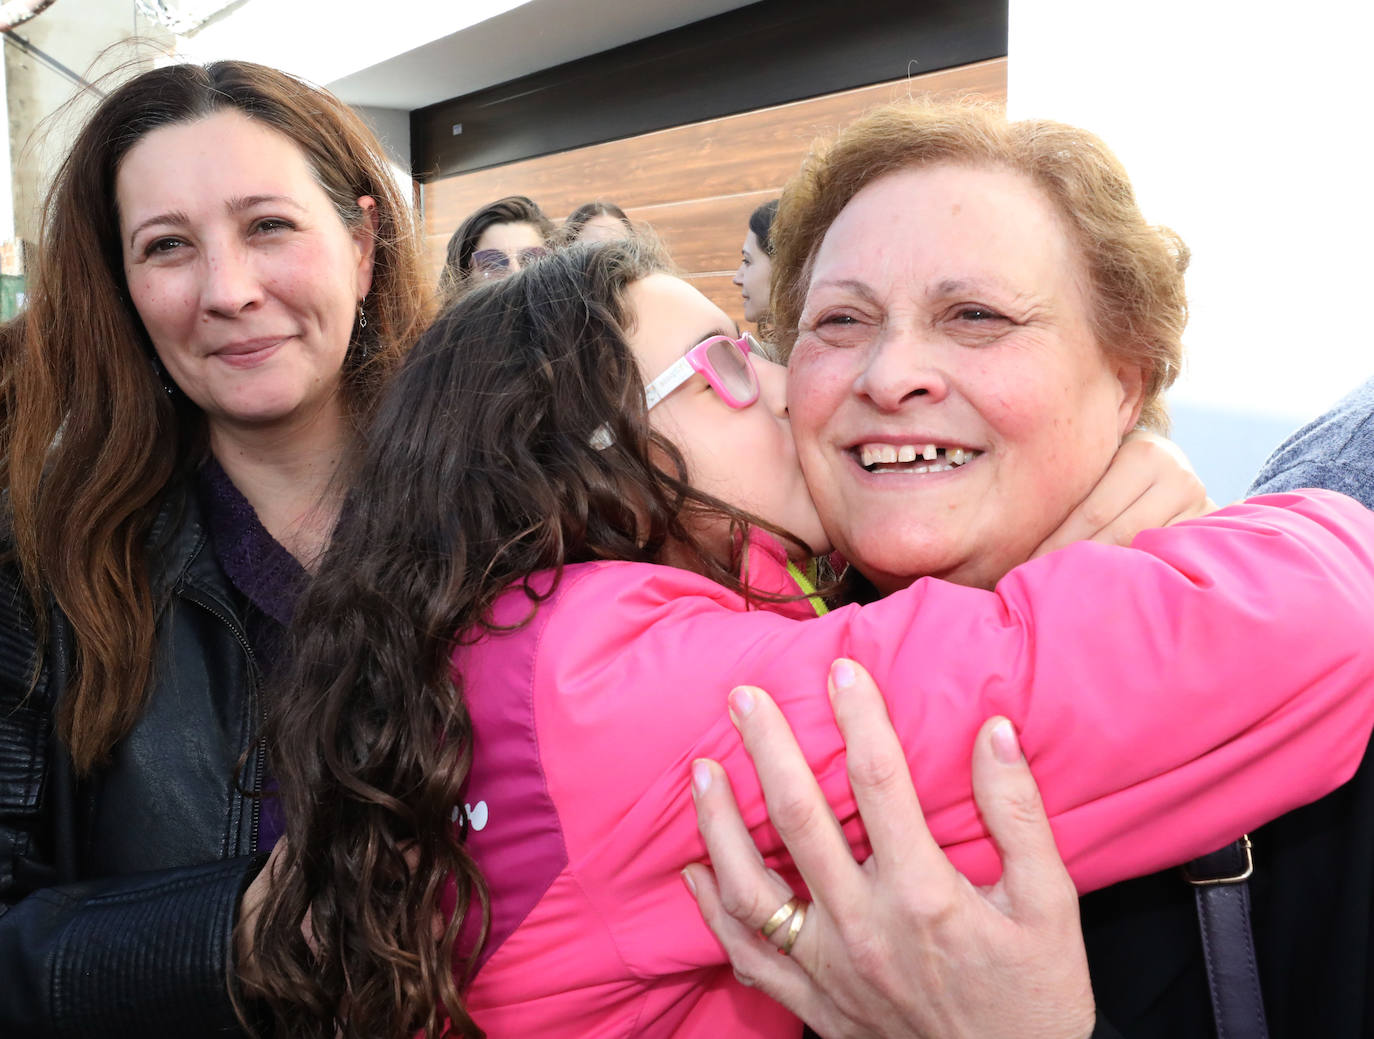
(554, 564)
(975, 313)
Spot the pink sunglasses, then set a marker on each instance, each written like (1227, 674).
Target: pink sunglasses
(725, 363)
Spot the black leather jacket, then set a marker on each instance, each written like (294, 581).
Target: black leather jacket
(119, 892)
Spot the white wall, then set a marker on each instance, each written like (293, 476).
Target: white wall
(1246, 128)
(295, 36)
(6, 175)
(392, 127)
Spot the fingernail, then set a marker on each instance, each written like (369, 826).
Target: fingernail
(691, 884)
(741, 702)
(1004, 746)
(701, 777)
(842, 674)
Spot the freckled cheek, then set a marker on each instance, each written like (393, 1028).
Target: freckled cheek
(159, 307)
(1021, 405)
(818, 381)
(1046, 443)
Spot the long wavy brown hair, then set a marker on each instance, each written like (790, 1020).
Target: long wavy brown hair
(481, 470)
(90, 439)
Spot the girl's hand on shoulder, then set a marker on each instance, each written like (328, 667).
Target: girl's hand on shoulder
(1150, 483)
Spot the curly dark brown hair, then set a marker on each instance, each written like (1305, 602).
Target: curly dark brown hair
(488, 463)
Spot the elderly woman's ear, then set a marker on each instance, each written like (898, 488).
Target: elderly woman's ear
(1132, 381)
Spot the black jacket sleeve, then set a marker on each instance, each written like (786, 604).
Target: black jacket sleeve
(135, 956)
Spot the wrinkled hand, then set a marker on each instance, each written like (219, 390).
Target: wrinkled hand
(903, 945)
(1150, 483)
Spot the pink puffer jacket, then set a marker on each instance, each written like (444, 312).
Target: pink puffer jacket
(1169, 697)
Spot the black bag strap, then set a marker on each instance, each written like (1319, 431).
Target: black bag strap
(1221, 888)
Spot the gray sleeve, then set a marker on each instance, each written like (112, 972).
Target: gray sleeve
(1341, 474)
(1334, 452)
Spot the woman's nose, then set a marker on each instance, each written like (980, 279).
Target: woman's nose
(738, 279)
(902, 365)
(231, 283)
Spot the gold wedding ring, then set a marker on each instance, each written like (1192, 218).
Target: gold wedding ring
(798, 918)
(793, 913)
(784, 913)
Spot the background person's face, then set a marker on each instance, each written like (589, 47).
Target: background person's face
(603, 228)
(752, 277)
(511, 239)
(948, 315)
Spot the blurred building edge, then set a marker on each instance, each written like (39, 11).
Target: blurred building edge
(557, 100)
(59, 56)
(11, 279)
(11, 248)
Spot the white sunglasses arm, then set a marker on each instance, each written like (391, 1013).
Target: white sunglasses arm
(674, 376)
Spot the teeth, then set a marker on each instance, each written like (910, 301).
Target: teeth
(880, 454)
(891, 454)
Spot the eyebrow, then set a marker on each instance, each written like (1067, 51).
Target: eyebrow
(955, 286)
(718, 331)
(853, 285)
(173, 217)
(176, 217)
(948, 287)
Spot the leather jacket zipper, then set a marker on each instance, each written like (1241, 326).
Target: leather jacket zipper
(260, 751)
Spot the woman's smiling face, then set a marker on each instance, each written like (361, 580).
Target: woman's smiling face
(244, 274)
(949, 400)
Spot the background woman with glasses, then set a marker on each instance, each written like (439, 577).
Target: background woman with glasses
(493, 241)
(494, 640)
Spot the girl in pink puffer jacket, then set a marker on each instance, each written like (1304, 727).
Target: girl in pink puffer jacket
(577, 526)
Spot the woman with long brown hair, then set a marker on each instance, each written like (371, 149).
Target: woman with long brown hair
(226, 276)
(578, 522)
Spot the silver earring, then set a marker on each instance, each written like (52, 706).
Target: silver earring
(160, 373)
(362, 318)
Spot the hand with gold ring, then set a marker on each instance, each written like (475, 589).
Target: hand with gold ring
(793, 913)
(902, 945)
(783, 914)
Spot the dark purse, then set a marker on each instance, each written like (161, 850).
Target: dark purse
(1222, 891)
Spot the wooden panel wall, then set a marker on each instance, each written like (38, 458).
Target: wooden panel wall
(696, 184)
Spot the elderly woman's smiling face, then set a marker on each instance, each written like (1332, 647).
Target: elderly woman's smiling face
(949, 401)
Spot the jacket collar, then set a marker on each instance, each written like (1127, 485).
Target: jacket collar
(175, 542)
(768, 571)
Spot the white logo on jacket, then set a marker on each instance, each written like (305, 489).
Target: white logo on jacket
(477, 814)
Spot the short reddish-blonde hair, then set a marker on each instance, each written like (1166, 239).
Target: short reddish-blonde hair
(1135, 268)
